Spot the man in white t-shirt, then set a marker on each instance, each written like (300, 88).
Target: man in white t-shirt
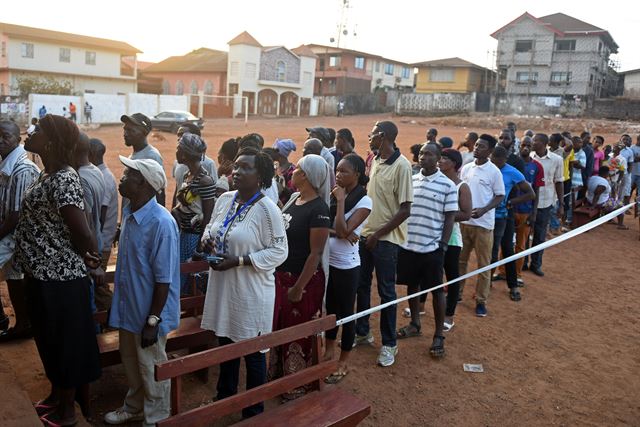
(487, 191)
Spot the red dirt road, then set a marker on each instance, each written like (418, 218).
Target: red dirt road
(567, 354)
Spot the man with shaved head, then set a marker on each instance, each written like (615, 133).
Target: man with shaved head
(17, 173)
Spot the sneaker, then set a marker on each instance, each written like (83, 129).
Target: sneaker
(481, 310)
(520, 282)
(120, 416)
(363, 339)
(537, 271)
(387, 355)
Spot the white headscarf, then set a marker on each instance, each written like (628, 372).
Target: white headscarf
(318, 174)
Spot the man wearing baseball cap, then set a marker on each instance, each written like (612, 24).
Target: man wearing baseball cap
(146, 301)
(136, 128)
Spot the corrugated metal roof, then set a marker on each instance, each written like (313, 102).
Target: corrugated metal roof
(199, 60)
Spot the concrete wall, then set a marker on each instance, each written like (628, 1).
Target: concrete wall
(435, 103)
(632, 85)
(80, 84)
(109, 108)
(619, 109)
(539, 105)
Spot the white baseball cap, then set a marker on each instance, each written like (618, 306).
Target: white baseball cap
(151, 170)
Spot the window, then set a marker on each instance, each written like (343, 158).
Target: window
(565, 45)
(4, 49)
(590, 80)
(65, 54)
(306, 78)
(599, 47)
(250, 71)
(90, 58)
(166, 88)
(331, 83)
(524, 45)
(442, 75)
(179, 88)
(388, 69)
(208, 87)
(281, 71)
(89, 91)
(334, 61)
(26, 50)
(235, 68)
(359, 63)
(194, 87)
(560, 78)
(376, 66)
(406, 72)
(526, 78)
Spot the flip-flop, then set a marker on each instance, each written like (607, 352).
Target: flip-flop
(336, 377)
(43, 409)
(448, 326)
(58, 422)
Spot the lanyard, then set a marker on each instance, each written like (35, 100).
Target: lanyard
(220, 246)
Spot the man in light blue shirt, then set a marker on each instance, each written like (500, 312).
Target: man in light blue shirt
(146, 301)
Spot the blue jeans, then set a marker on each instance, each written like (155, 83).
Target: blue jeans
(503, 233)
(540, 235)
(383, 258)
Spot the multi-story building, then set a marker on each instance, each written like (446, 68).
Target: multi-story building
(341, 72)
(554, 56)
(87, 64)
(276, 80)
(202, 70)
(452, 75)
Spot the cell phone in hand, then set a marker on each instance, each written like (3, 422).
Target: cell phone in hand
(214, 259)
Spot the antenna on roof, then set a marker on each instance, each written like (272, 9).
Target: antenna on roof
(342, 27)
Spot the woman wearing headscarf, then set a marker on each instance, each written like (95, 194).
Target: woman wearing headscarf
(300, 280)
(194, 198)
(284, 147)
(55, 248)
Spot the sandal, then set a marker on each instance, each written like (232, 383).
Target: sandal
(448, 326)
(336, 377)
(437, 347)
(408, 331)
(43, 409)
(623, 227)
(52, 420)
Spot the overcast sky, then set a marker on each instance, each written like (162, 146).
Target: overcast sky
(404, 30)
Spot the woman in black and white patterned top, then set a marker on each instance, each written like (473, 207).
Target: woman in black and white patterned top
(54, 249)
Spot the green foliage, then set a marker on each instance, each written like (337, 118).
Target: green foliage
(43, 85)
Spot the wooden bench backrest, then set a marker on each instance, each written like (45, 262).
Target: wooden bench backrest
(189, 304)
(173, 369)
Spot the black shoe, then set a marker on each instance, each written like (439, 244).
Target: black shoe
(536, 271)
(525, 267)
(514, 294)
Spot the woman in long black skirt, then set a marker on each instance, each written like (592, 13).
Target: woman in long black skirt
(55, 249)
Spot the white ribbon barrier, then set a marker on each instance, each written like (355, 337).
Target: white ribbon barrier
(591, 225)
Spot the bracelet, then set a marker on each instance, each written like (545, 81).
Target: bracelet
(240, 261)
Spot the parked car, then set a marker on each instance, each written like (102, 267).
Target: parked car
(172, 120)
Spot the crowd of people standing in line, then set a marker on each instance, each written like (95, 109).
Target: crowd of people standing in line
(285, 242)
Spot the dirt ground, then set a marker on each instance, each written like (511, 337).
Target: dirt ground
(567, 354)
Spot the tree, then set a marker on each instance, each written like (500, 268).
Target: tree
(45, 86)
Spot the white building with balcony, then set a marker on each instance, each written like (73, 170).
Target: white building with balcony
(87, 64)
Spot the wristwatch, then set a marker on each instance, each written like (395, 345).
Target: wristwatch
(153, 320)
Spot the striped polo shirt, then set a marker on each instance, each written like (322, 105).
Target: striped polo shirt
(433, 196)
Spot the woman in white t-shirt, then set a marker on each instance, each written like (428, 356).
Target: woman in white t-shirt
(350, 207)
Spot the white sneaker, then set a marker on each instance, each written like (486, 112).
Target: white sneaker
(387, 356)
(363, 339)
(120, 416)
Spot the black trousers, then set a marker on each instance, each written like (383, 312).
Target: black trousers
(256, 365)
(341, 298)
(452, 271)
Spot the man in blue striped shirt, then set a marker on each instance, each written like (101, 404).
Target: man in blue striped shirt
(421, 258)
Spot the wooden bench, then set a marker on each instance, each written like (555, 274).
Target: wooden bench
(321, 406)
